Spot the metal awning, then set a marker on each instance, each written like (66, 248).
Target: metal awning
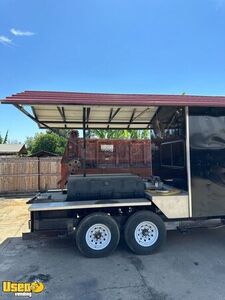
(97, 116)
(99, 110)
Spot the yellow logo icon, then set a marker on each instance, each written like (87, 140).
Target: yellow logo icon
(24, 289)
(37, 287)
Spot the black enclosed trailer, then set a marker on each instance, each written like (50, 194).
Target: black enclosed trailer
(188, 154)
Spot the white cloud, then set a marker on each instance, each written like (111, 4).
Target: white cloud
(5, 40)
(20, 32)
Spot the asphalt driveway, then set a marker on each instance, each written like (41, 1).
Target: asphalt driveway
(190, 266)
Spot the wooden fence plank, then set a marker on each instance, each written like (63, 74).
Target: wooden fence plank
(20, 174)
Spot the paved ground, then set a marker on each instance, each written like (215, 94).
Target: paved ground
(191, 265)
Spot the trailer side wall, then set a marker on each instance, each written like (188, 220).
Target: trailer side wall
(207, 155)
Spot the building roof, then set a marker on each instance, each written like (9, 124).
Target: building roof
(100, 110)
(12, 149)
(43, 153)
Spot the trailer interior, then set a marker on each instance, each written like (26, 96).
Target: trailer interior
(186, 188)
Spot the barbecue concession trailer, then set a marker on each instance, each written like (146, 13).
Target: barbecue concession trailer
(187, 188)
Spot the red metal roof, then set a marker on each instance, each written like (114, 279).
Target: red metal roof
(75, 98)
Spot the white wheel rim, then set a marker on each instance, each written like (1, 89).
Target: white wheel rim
(98, 236)
(146, 234)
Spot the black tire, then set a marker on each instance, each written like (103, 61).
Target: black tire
(158, 228)
(106, 222)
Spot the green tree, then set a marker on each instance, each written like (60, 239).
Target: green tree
(47, 141)
(4, 139)
(120, 134)
(107, 133)
(61, 132)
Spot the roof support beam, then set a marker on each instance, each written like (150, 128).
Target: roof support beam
(140, 114)
(20, 107)
(153, 117)
(112, 115)
(95, 122)
(88, 114)
(131, 118)
(115, 113)
(100, 127)
(88, 111)
(173, 118)
(34, 113)
(62, 114)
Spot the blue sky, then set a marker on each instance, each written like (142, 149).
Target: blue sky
(129, 46)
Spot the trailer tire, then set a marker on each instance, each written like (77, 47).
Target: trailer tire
(97, 235)
(144, 232)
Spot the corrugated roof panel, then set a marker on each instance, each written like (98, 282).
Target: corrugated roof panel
(74, 98)
(60, 109)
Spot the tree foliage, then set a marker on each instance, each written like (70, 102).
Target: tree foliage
(47, 141)
(61, 132)
(4, 139)
(120, 134)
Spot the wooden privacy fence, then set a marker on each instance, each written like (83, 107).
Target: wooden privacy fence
(32, 174)
(28, 174)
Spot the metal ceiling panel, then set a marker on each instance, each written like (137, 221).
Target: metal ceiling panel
(99, 117)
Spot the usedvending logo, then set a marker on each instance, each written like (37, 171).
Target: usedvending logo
(22, 289)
